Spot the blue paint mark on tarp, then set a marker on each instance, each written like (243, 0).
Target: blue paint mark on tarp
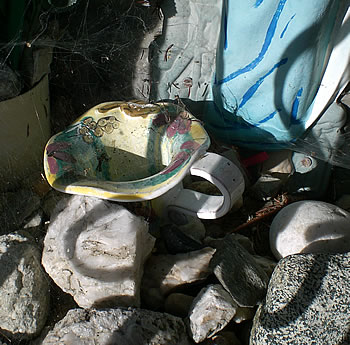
(285, 28)
(268, 38)
(258, 3)
(269, 117)
(295, 107)
(251, 91)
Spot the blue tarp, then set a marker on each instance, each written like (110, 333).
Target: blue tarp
(270, 62)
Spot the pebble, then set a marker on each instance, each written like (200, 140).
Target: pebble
(307, 302)
(166, 272)
(210, 312)
(95, 250)
(310, 227)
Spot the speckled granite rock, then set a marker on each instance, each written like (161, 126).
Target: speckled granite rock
(122, 326)
(307, 302)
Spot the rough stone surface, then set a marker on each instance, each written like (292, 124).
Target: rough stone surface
(243, 314)
(165, 272)
(52, 200)
(239, 273)
(178, 304)
(177, 241)
(15, 208)
(24, 290)
(210, 312)
(223, 338)
(344, 202)
(310, 227)
(118, 326)
(267, 264)
(95, 250)
(267, 187)
(244, 241)
(307, 302)
(194, 228)
(34, 220)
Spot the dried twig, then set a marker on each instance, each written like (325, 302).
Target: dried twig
(267, 211)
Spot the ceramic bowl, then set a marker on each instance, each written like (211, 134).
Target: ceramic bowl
(125, 151)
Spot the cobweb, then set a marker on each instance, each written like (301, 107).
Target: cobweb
(99, 54)
(96, 46)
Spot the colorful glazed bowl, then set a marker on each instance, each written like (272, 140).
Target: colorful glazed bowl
(125, 151)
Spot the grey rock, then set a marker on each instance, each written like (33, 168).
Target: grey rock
(177, 241)
(244, 241)
(214, 230)
(310, 227)
(152, 298)
(239, 273)
(16, 207)
(178, 304)
(34, 221)
(307, 302)
(52, 200)
(118, 326)
(210, 312)
(243, 314)
(194, 228)
(344, 202)
(166, 272)
(267, 264)
(95, 250)
(266, 187)
(24, 288)
(223, 338)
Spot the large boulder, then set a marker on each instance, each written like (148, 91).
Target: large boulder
(307, 302)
